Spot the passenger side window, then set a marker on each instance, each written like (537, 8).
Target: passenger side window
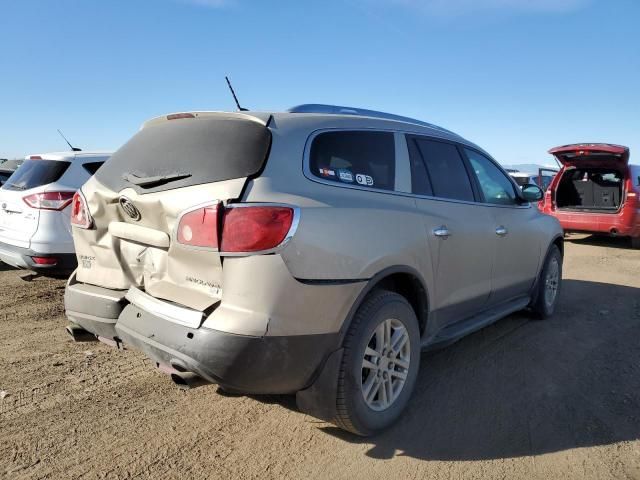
(445, 170)
(495, 185)
(355, 157)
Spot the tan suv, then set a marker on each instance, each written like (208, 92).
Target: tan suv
(316, 251)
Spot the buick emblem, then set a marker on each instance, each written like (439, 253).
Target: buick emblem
(129, 208)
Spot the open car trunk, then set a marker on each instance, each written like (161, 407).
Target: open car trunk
(593, 178)
(590, 189)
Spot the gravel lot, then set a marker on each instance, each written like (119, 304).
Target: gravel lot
(519, 399)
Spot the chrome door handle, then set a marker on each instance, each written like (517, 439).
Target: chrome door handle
(501, 231)
(442, 232)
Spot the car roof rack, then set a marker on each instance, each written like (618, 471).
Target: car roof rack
(362, 112)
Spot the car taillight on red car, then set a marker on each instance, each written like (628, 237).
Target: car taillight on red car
(49, 200)
(80, 216)
(239, 229)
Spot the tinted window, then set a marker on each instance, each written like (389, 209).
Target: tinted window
(4, 177)
(35, 173)
(495, 185)
(446, 170)
(356, 158)
(92, 167)
(185, 152)
(420, 184)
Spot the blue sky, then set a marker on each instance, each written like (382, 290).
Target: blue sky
(515, 76)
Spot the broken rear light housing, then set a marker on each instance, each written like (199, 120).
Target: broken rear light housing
(199, 227)
(237, 229)
(80, 216)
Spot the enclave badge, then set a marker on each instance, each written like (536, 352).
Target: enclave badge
(129, 208)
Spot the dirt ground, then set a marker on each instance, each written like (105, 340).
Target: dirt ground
(519, 399)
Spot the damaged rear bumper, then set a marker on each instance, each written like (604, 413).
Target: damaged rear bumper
(244, 363)
(95, 309)
(248, 364)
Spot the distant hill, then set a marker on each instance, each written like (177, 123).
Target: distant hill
(529, 167)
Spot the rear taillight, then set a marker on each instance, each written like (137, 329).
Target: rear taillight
(80, 216)
(49, 200)
(239, 229)
(199, 228)
(45, 260)
(255, 229)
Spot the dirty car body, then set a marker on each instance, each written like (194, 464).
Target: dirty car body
(241, 248)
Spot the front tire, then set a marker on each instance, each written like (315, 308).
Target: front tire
(635, 242)
(380, 364)
(549, 285)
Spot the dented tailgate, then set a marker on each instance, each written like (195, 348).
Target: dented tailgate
(139, 195)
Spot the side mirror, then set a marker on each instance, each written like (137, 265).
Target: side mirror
(532, 193)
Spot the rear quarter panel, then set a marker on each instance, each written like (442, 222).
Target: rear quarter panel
(344, 233)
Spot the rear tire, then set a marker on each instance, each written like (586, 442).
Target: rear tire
(549, 285)
(635, 242)
(379, 365)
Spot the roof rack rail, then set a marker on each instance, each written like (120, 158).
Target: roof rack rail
(339, 110)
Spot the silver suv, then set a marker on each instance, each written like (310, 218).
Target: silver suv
(313, 252)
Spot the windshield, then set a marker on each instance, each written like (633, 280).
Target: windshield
(35, 173)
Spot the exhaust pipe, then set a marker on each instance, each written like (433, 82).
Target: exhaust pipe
(188, 380)
(79, 334)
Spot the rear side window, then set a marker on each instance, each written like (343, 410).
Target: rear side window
(445, 169)
(357, 158)
(35, 173)
(92, 167)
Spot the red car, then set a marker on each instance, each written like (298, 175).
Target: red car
(595, 191)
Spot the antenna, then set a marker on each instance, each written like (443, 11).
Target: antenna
(73, 149)
(234, 96)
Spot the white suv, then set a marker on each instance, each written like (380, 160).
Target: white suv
(35, 230)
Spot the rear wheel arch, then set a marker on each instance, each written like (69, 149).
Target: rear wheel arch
(401, 279)
(558, 242)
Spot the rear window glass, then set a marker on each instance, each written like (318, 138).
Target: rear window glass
(445, 167)
(92, 167)
(35, 173)
(358, 158)
(186, 152)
